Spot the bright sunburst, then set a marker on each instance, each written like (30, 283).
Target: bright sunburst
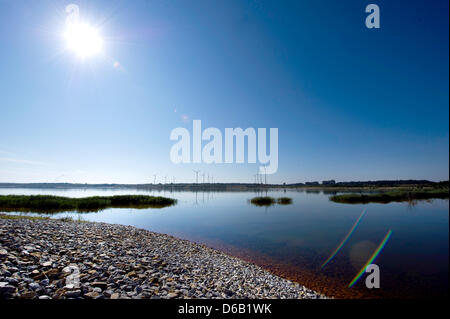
(83, 40)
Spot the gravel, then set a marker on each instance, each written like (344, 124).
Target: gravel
(42, 259)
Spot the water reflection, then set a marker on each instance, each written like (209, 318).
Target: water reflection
(294, 240)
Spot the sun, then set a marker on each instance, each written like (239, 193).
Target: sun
(83, 40)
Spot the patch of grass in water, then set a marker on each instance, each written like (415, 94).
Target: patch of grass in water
(395, 196)
(269, 201)
(284, 200)
(55, 204)
(263, 201)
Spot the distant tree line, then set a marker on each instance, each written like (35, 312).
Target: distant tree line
(236, 186)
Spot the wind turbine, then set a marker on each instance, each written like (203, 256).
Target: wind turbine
(154, 178)
(265, 175)
(196, 175)
(257, 176)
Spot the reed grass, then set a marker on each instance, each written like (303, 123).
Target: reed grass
(269, 201)
(54, 204)
(284, 200)
(394, 196)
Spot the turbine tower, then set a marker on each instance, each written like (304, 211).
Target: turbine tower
(258, 176)
(265, 175)
(196, 175)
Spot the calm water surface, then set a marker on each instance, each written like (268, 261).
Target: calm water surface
(294, 240)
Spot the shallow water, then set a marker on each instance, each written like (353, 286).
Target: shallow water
(295, 240)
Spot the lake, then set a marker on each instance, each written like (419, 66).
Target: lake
(295, 240)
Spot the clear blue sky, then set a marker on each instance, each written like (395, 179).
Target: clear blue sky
(350, 103)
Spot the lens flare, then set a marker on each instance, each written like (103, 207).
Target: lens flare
(344, 240)
(371, 259)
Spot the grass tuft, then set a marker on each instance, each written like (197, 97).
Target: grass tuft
(55, 204)
(387, 197)
(263, 201)
(269, 201)
(284, 200)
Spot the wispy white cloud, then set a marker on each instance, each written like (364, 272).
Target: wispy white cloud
(20, 161)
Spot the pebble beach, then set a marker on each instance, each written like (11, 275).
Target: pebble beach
(56, 259)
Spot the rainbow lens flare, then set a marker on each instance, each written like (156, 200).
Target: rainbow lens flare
(372, 258)
(344, 240)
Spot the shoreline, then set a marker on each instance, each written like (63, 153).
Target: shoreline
(325, 186)
(123, 262)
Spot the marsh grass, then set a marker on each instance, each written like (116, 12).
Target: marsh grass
(394, 196)
(284, 200)
(269, 201)
(7, 216)
(62, 219)
(55, 204)
(263, 201)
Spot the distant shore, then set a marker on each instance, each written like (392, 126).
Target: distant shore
(123, 262)
(324, 185)
(359, 192)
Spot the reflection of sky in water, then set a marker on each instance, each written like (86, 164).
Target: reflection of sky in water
(306, 231)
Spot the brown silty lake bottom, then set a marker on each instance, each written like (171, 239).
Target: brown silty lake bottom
(293, 241)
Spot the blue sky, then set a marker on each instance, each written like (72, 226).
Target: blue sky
(350, 103)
